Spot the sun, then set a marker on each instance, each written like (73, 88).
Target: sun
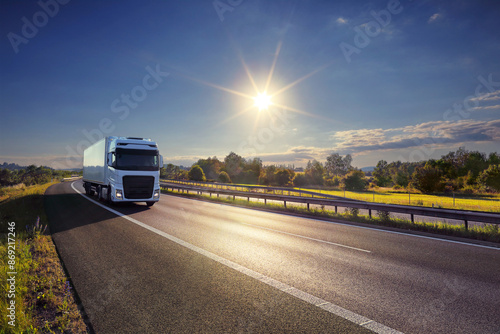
(262, 101)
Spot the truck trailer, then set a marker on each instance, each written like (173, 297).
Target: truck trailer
(123, 169)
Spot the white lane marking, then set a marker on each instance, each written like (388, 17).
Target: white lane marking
(308, 238)
(318, 302)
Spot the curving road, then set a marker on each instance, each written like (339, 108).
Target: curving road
(190, 266)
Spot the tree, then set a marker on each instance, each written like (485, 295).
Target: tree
(234, 164)
(314, 172)
(382, 174)
(355, 181)
(211, 167)
(336, 165)
(300, 180)
(196, 174)
(284, 176)
(267, 176)
(428, 179)
(491, 177)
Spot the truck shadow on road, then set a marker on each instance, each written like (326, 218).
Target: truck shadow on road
(69, 211)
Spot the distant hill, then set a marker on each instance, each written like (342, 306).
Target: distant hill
(11, 166)
(368, 169)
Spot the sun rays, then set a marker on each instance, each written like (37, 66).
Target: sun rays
(262, 100)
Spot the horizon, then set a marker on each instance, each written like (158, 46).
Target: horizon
(384, 80)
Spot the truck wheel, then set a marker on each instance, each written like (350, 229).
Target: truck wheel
(99, 193)
(89, 190)
(150, 203)
(108, 196)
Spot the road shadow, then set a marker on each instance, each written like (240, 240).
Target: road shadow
(66, 211)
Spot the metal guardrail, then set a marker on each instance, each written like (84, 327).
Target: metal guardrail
(262, 189)
(466, 216)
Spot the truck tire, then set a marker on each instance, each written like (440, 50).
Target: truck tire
(108, 196)
(99, 193)
(150, 203)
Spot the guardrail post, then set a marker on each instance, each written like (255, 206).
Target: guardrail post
(265, 201)
(335, 209)
(307, 206)
(284, 203)
(412, 218)
(466, 224)
(234, 197)
(370, 213)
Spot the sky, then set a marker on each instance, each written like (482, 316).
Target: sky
(393, 80)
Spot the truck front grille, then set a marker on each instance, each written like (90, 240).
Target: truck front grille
(138, 187)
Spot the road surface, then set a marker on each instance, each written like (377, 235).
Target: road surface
(190, 266)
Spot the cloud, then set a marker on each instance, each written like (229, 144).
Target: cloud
(488, 98)
(341, 21)
(493, 96)
(434, 17)
(437, 133)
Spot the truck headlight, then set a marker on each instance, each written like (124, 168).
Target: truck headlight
(156, 193)
(118, 194)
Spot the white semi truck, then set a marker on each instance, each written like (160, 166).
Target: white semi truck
(123, 169)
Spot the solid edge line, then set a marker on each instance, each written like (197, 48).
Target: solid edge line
(318, 302)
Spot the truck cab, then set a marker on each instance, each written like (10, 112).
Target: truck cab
(123, 169)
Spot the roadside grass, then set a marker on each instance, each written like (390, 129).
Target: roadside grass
(488, 203)
(44, 302)
(489, 232)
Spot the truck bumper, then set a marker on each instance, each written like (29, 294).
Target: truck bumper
(118, 195)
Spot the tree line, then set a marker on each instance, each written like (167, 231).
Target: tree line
(30, 175)
(459, 171)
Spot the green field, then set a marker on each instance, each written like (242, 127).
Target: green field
(489, 203)
(461, 202)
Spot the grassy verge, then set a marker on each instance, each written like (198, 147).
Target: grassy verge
(486, 233)
(36, 294)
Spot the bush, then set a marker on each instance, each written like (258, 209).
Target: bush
(384, 216)
(224, 177)
(491, 177)
(333, 182)
(196, 174)
(300, 180)
(284, 177)
(428, 179)
(355, 181)
(354, 212)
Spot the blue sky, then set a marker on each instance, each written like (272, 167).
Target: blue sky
(394, 80)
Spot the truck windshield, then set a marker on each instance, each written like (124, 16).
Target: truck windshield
(129, 159)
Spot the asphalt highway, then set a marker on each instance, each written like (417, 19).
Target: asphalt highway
(190, 266)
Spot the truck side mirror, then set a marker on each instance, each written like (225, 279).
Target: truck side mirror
(110, 159)
(161, 161)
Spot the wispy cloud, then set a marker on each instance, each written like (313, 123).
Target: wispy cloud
(489, 101)
(438, 133)
(434, 18)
